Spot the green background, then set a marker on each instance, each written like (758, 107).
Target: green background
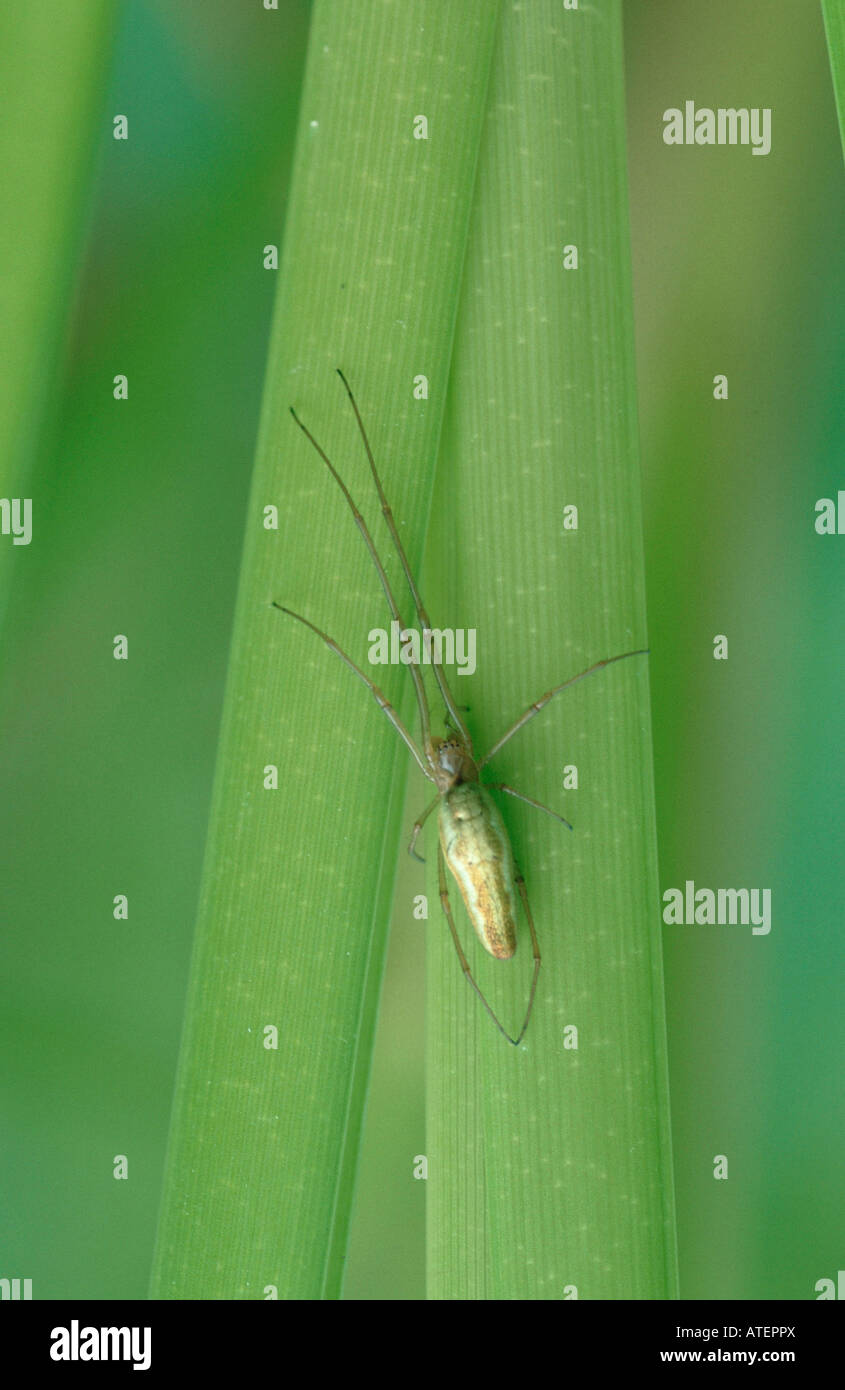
(139, 515)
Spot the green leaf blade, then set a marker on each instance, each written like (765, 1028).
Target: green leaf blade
(833, 12)
(47, 139)
(298, 881)
(549, 1166)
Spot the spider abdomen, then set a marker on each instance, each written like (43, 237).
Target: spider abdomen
(478, 852)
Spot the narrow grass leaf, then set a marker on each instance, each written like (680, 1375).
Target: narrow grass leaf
(549, 1164)
(53, 63)
(298, 880)
(834, 23)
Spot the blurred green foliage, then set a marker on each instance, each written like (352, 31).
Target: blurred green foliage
(140, 521)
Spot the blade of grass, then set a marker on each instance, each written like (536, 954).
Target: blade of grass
(297, 881)
(53, 63)
(550, 1165)
(834, 24)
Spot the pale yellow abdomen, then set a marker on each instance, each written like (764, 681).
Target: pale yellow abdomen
(478, 852)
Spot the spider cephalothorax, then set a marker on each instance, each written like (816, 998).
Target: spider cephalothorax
(452, 763)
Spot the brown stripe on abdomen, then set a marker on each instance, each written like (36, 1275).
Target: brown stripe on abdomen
(477, 850)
